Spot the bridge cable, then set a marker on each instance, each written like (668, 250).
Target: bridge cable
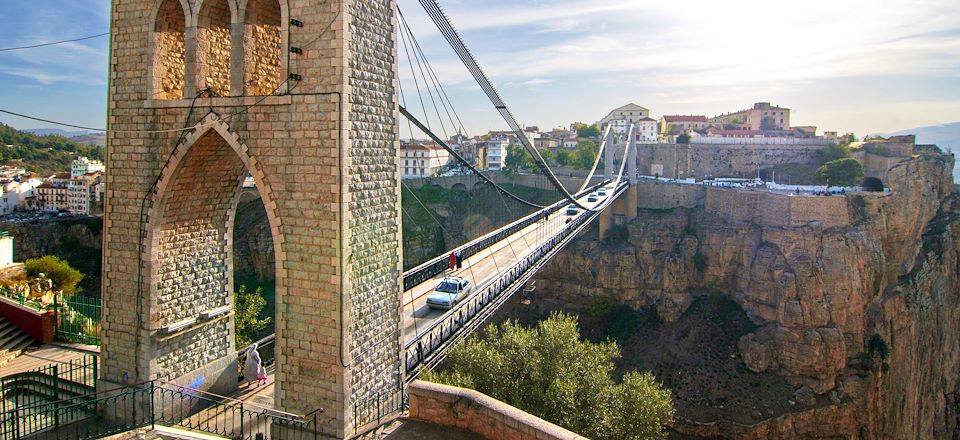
(596, 161)
(453, 38)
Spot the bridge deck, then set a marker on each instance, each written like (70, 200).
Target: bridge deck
(482, 267)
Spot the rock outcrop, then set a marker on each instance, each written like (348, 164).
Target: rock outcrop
(859, 310)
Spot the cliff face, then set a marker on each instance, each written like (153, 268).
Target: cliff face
(859, 310)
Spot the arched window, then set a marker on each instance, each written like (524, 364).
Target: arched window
(213, 46)
(262, 47)
(169, 51)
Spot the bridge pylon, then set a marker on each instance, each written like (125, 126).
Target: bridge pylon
(300, 95)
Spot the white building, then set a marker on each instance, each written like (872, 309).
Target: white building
(496, 153)
(620, 118)
(17, 193)
(82, 194)
(646, 130)
(422, 160)
(82, 165)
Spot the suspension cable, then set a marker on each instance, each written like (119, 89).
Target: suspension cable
(453, 38)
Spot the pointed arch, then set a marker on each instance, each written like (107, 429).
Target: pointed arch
(188, 248)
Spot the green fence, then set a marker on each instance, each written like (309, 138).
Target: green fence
(78, 319)
(21, 299)
(26, 398)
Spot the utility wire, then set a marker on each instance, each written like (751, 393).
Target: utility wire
(33, 46)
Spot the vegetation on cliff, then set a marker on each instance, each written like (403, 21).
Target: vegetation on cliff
(63, 276)
(42, 154)
(550, 372)
(841, 172)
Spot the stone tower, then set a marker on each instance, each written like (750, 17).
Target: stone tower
(300, 95)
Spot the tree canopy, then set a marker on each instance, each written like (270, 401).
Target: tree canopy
(550, 372)
(833, 151)
(683, 138)
(517, 157)
(841, 172)
(63, 276)
(584, 130)
(248, 307)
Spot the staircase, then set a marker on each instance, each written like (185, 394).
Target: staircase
(13, 341)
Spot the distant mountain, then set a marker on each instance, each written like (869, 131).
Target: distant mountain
(98, 139)
(946, 136)
(55, 132)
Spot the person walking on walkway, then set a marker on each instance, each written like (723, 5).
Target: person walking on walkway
(453, 260)
(459, 260)
(253, 371)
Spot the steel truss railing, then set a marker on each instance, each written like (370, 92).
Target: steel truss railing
(429, 347)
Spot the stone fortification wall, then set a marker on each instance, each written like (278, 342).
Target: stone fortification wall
(664, 195)
(768, 209)
(477, 412)
(700, 161)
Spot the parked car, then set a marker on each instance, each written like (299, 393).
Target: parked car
(572, 209)
(449, 292)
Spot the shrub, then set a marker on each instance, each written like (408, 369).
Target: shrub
(841, 172)
(550, 372)
(248, 307)
(63, 276)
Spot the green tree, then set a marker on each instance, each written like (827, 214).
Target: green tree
(841, 172)
(550, 372)
(683, 138)
(582, 158)
(833, 151)
(563, 157)
(588, 130)
(63, 276)
(547, 154)
(247, 308)
(517, 157)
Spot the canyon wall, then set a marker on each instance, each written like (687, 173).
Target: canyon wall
(856, 297)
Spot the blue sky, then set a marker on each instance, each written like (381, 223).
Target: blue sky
(851, 65)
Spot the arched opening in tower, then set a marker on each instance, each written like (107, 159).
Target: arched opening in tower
(192, 252)
(213, 47)
(169, 51)
(262, 47)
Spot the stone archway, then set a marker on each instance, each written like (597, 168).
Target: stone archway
(188, 256)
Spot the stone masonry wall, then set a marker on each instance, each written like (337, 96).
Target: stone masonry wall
(759, 207)
(700, 161)
(169, 50)
(262, 35)
(662, 195)
(213, 38)
(468, 409)
(374, 201)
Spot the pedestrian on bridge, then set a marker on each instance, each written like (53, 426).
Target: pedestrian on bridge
(453, 260)
(459, 259)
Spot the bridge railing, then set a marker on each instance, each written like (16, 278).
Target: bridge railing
(439, 264)
(429, 347)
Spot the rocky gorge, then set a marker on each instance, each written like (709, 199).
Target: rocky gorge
(854, 319)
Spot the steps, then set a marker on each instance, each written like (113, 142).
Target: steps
(13, 341)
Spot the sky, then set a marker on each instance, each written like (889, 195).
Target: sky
(862, 66)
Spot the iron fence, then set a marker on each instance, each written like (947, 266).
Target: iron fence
(21, 298)
(375, 411)
(50, 383)
(78, 318)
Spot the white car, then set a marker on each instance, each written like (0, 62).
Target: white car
(449, 292)
(592, 198)
(602, 193)
(572, 209)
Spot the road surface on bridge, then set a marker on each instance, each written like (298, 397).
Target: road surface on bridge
(483, 266)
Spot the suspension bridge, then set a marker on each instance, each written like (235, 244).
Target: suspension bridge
(249, 88)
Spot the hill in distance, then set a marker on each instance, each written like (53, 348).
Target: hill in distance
(42, 154)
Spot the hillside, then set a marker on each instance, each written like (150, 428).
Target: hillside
(43, 154)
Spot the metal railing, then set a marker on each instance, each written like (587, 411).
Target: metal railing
(104, 413)
(439, 264)
(429, 347)
(376, 410)
(78, 318)
(36, 388)
(21, 298)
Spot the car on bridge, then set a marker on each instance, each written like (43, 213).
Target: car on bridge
(572, 209)
(449, 292)
(592, 198)
(602, 192)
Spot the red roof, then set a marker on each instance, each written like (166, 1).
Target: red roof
(684, 118)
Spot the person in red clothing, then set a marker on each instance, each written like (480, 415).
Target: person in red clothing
(453, 260)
